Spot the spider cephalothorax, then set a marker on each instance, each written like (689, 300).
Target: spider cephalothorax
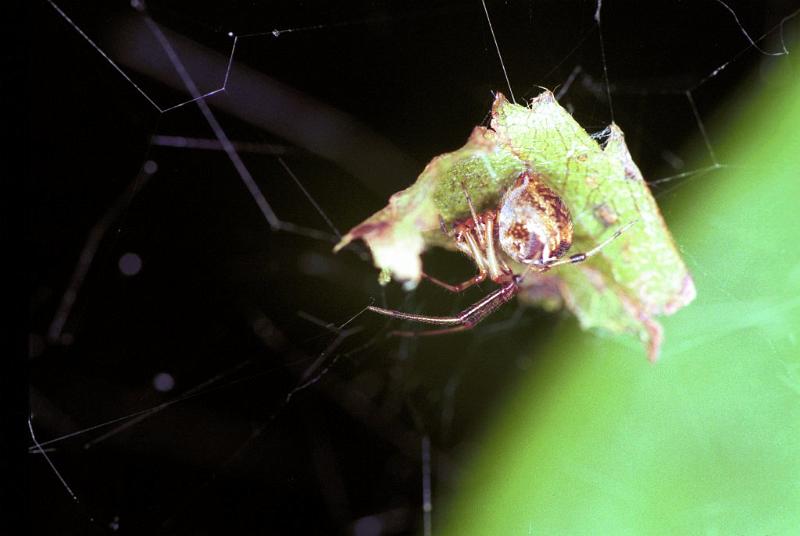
(530, 226)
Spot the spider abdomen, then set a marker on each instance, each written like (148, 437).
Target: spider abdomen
(534, 224)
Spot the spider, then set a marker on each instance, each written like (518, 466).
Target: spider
(531, 226)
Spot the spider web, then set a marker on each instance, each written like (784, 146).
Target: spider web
(199, 358)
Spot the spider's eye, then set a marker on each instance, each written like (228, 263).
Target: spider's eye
(534, 224)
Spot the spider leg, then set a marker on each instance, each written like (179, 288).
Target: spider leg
(478, 224)
(425, 319)
(481, 276)
(498, 270)
(485, 260)
(467, 245)
(580, 257)
(464, 320)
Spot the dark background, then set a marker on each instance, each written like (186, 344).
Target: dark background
(235, 312)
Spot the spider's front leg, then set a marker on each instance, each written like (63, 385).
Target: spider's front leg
(477, 243)
(466, 242)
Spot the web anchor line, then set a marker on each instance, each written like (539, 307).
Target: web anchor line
(312, 374)
(499, 55)
(197, 97)
(138, 88)
(98, 232)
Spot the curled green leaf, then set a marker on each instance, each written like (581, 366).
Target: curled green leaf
(623, 289)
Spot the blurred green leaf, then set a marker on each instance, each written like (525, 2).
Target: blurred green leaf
(597, 441)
